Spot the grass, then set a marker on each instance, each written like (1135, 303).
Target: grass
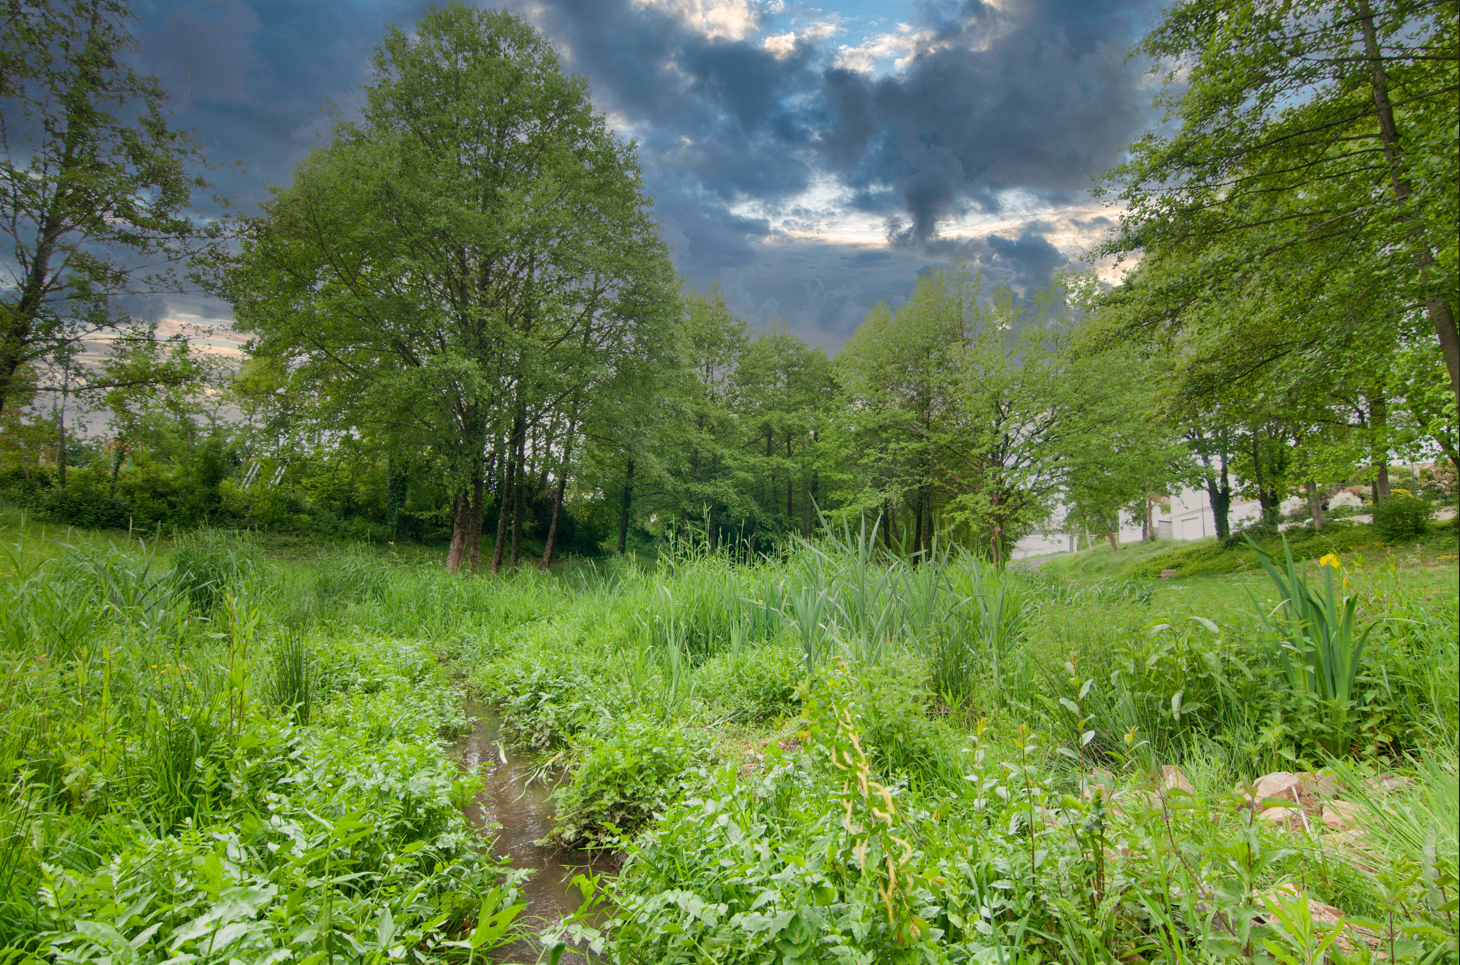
(832, 756)
(1189, 558)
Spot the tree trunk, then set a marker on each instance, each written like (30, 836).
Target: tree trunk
(474, 521)
(397, 487)
(1114, 539)
(887, 523)
(547, 551)
(1379, 446)
(61, 440)
(918, 530)
(517, 493)
(1219, 492)
(1315, 503)
(1267, 497)
(1441, 316)
(623, 515)
(456, 552)
(509, 484)
(790, 485)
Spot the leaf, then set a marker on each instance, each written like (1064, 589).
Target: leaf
(100, 933)
(385, 929)
(1206, 623)
(1176, 704)
(1087, 737)
(1069, 705)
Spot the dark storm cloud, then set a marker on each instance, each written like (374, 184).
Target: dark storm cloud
(1032, 96)
(253, 76)
(1037, 97)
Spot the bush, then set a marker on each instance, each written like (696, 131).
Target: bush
(625, 779)
(1401, 516)
(210, 563)
(756, 684)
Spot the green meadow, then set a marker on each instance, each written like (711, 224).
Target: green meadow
(218, 749)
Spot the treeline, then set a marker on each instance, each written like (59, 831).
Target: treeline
(464, 324)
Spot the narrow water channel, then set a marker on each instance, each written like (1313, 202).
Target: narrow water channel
(515, 814)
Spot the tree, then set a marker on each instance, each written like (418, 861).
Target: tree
(94, 185)
(1313, 157)
(966, 406)
(471, 256)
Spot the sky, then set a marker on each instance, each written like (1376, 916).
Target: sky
(813, 159)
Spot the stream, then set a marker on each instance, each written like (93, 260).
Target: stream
(516, 814)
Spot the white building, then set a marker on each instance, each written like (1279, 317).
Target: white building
(1187, 517)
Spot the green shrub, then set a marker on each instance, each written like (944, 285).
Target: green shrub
(544, 701)
(755, 684)
(211, 563)
(1401, 516)
(624, 779)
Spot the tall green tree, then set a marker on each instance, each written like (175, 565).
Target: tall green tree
(1311, 167)
(466, 259)
(95, 186)
(965, 406)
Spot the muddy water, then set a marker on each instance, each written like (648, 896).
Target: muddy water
(522, 810)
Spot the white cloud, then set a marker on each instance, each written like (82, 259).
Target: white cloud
(716, 19)
(898, 44)
(780, 46)
(783, 45)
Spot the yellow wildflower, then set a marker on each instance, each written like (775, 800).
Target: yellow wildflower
(1331, 560)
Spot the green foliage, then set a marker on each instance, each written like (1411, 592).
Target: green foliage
(213, 563)
(214, 787)
(94, 201)
(624, 778)
(1401, 517)
(753, 684)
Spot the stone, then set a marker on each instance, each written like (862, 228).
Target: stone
(1314, 789)
(1341, 816)
(1288, 819)
(1172, 779)
(1326, 917)
(1277, 784)
(1388, 783)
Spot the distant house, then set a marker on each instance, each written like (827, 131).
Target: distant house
(1186, 516)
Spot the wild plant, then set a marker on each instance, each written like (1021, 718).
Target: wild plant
(292, 679)
(991, 622)
(811, 614)
(1078, 718)
(1300, 940)
(209, 563)
(1319, 647)
(136, 588)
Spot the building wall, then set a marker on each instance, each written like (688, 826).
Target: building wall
(1190, 518)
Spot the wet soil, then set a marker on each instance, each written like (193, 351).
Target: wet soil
(515, 815)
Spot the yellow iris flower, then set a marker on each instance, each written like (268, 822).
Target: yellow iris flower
(1331, 560)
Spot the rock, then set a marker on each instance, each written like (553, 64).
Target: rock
(1351, 846)
(1341, 815)
(1388, 783)
(1314, 789)
(1288, 819)
(1276, 784)
(1172, 779)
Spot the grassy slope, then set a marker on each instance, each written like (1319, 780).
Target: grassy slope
(1208, 556)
